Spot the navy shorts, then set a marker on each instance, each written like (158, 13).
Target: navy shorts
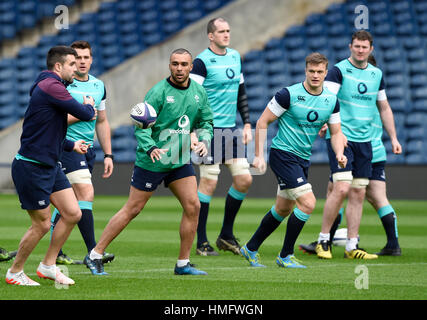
(226, 144)
(73, 161)
(359, 159)
(378, 171)
(35, 183)
(146, 180)
(291, 171)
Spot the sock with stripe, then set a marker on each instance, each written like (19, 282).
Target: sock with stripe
(233, 202)
(53, 221)
(86, 225)
(268, 224)
(203, 218)
(295, 224)
(336, 224)
(389, 221)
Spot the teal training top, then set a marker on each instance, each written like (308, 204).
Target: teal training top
(220, 75)
(301, 115)
(85, 130)
(358, 91)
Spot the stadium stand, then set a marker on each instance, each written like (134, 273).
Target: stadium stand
(117, 31)
(120, 30)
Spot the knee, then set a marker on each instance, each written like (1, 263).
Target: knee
(72, 216)
(207, 186)
(192, 208)
(341, 189)
(243, 182)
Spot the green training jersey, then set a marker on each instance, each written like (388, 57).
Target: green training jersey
(179, 112)
(357, 91)
(85, 130)
(221, 76)
(301, 115)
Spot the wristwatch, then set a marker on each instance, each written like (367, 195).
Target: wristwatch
(109, 156)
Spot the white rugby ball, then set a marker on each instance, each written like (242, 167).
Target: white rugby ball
(143, 115)
(340, 237)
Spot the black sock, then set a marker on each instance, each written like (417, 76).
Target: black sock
(269, 223)
(295, 224)
(233, 201)
(86, 227)
(201, 227)
(389, 224)
(335, 225)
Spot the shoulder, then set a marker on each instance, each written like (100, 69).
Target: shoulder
(54, 88)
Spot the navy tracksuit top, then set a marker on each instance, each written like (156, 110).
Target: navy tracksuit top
(45, 121)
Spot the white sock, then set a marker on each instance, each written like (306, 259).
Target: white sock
(182, 263)
(52, 267)
(351, 244)
(94, 255)
(323, 237)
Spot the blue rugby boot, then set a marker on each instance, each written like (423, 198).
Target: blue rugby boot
(251, 256)
(289, 262)
(95, 266)
(189, 269)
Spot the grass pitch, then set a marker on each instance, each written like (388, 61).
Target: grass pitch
(146, 252)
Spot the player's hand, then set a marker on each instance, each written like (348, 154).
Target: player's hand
(322, 131)
(259, 163)
(193, 140)
(342, 161)
(156, 154)
(396, 147)
(108, 167)
(201, 149)
(80, 146)
(247, 133)
(88, 100)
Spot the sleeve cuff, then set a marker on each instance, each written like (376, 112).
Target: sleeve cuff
(68, 145)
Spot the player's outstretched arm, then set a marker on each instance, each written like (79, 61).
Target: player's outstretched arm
(387, 119)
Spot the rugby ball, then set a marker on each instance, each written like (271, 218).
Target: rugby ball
(340, 237)
(143, 115)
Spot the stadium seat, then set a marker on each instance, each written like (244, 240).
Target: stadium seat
(420, 105)
(416, 119)
(415, 159)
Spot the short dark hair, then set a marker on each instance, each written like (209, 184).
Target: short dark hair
(211, 24)
(81, 44)
(362, 35)
(181, 51)
(316, 58)
(58, 54)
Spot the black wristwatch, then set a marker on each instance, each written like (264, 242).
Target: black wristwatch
(109, 156)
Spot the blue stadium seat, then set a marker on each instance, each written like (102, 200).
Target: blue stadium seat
(398, 104)
(276, 67)
(415, 159)
(420, 93)
(416, 133)
(416, 119)
(254, 79)
(420, 105)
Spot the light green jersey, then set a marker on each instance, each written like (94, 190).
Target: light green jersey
(85, 130)
(179, 112)
(358, 91)
(301, 115)
(221, 76)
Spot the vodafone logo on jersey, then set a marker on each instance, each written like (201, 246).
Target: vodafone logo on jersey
(183, 123)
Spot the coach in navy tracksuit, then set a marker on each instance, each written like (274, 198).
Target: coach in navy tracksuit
(36, 172)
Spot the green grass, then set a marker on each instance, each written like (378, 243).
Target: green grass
(147, 249)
